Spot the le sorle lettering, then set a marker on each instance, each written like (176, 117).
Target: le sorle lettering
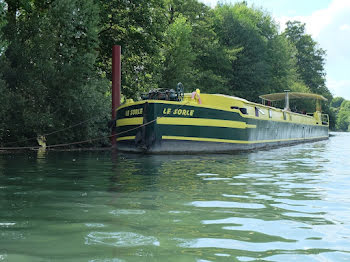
(134, 112)
(178, 111)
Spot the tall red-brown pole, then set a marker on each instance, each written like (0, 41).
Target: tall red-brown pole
(116, 82)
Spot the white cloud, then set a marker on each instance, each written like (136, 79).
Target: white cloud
(330, 27)
(322, 18)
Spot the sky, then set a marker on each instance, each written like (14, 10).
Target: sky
(328, 21)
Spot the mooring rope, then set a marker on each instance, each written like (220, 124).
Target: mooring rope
(51, 133)
(83, 141)
(78, 142)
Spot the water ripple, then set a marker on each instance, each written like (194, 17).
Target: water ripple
(119, 212)
(225, 204)
(120, 239)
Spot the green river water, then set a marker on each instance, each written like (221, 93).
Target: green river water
(284, 204)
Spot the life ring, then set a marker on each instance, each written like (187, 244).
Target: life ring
(196, 95)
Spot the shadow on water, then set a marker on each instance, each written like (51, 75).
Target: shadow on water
(283, 204)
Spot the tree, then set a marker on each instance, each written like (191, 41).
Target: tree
(192, 10)
(255, 34)
(77, 92)
(282, 58)
(337, 101)
(310, 58)
(178, 53)
(343, 117)
(138, 26)
(49, 68)
(212, 61)
(5, 94)
(5, 99)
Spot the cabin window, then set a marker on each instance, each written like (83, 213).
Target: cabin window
(256, 112)
(284, 116)
(270, 113)
(243, 110)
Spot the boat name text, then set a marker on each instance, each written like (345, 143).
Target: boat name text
(179, 112)
(134, 112)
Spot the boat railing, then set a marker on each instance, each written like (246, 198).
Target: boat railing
(325, 119)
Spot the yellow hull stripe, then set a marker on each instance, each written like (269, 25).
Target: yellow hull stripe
(202, 139)
(202, 122)
(133, 121)
(125, 138)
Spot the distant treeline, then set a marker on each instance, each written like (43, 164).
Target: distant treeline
(341, 109)
(55, 59)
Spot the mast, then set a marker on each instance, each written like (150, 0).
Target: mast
(116, 80)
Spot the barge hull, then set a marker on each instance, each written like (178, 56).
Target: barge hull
(170, 127)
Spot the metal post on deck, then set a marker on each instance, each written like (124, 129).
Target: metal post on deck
(318, 105)
(116, 83)
(287, 100)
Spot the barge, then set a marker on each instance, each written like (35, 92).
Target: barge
(168, 121)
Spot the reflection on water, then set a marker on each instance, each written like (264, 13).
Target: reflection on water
(284, 204)
(120, 239)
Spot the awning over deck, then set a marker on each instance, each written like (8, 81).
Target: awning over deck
(292, 95)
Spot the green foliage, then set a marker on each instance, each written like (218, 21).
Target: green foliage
(284, 76)
(49, 68)
(266, 61)
(191, 9)
(310, 58)
(77, 92)
(343, 117)
(5, 99)
(212, 61)
(337, 120)
(337, 101)
(138, 26)
(178, 53)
